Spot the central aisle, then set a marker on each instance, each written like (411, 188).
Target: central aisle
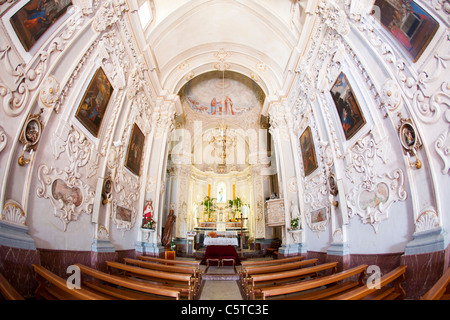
(220, 284)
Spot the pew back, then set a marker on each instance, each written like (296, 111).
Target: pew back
(299, 288)
(440, 290)
(8, 291)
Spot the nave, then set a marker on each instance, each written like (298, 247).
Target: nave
(262, 278)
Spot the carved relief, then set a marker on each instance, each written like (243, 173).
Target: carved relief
(373, 193)
(49, 92)
(428, 219)
(21, 80)
(3, 139)
(13, 213)
(69, 196)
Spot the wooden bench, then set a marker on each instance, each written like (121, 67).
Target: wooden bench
(253, 270)
(384, 292)
(440, 290)
(137, 289)
(257, 282)
(7, 291)
(170, 261)
(53, 287)
(195, 272)
(183, 282)
(326, 285)
(271, 262)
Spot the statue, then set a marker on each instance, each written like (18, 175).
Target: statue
(147, 219)
(168, 229)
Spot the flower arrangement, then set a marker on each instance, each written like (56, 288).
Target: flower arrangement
(147, 221)
(212, 234)
(294, 224)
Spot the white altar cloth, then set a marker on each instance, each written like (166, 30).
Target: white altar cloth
(220, 241)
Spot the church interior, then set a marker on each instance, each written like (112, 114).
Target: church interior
(289, 149)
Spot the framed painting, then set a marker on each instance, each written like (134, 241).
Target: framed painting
(410, 25)
(92, 107)
(123, 214)
(347, 107)
(135, 150)
(32, 20)
(308, 152)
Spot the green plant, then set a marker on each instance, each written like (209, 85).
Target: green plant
(294, 224)
(208, 205)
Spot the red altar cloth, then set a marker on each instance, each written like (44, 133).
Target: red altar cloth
(221, 252)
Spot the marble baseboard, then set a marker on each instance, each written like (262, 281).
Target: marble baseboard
(423, 271)
(16, 267)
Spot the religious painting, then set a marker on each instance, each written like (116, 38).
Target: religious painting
(319, 216)
(95, 100)
(135, 150)
(411, 26)
(61, 192)
(308, 152)
(333, 184)
(347, 106)
(106, 190)
(31, 131)
(34, 18)
(374, 198)
(222, 94)
(123, 214)
(408, 136)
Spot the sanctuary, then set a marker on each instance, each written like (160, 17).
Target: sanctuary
(288, 146)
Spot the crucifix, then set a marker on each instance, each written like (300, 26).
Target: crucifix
(242, 233)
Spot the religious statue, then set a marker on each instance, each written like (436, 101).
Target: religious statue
(147, 219)
(168, 229)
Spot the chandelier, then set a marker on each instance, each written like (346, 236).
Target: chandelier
(223, 140)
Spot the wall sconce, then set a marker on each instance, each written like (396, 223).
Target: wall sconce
(30, 135)
(410, 141)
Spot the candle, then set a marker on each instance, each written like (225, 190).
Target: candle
(209, 190)
(234, 192)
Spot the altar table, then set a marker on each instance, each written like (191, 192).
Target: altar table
(221, 241)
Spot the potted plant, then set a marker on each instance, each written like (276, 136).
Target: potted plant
(208, 206)
(235, 206)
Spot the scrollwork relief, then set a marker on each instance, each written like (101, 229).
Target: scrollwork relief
(70, 197)
(3, 139)
(373, 193)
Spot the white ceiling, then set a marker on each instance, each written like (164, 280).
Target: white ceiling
(186, 38)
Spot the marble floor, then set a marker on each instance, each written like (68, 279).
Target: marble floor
(220, 283)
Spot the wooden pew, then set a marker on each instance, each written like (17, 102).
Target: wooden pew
(170, 261)
(195, 272)
(183, 282)
(7, 291)
(53, 287)
(259, 281)
(271, 262)
(253, 270)
(440, 290)
(383, 293)
(140, 289)
(297, 290)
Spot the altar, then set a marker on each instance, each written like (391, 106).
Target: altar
(220, 241)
